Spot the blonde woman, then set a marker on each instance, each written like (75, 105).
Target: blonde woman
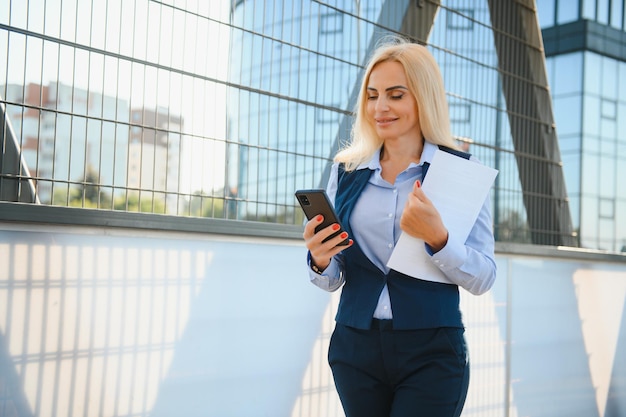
(398, 347)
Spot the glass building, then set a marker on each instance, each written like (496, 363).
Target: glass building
(310, 98)
(587, 71)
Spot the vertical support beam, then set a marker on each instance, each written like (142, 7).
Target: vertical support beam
(521, 63)
(12, 186)
(419, 19)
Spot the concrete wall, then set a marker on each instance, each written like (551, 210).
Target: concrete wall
(114, 321)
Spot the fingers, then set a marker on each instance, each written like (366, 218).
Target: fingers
(323, 250)
(309, 227)
(419, 193)
(420, 218)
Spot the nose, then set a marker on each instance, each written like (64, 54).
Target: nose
(382, 104)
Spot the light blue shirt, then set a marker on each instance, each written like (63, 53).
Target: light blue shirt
(375, 223)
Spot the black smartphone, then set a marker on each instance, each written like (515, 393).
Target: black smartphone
(314, 202)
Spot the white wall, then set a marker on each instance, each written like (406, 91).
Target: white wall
(112, 321)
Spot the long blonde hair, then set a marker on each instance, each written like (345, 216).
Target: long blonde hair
(426, 85)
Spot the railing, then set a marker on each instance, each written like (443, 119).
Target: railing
(115, 110)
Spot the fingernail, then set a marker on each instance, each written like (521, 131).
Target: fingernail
(319, 218)
(335, 226)
(344, 235)
(418, 184)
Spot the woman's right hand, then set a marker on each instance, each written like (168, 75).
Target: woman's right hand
(322, 252)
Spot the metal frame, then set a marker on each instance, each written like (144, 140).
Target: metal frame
(519, 46)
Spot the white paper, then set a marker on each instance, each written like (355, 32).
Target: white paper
(458, 188)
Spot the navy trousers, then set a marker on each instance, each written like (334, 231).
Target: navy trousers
(383, 372)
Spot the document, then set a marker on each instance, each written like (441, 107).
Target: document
(458, 188)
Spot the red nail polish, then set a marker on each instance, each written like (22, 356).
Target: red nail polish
(319, 218)
(344, 235)
(418, 183)
(335, 226)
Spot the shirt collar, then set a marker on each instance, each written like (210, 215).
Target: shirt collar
(427, 156)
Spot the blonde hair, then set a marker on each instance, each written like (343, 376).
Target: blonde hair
(424, 82)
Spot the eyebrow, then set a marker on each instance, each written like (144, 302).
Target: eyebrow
(395, 87)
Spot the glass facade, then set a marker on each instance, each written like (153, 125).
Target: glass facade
(299, 88)
(224, 108)
(588, 89)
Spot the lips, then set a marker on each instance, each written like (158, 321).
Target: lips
(385, 121)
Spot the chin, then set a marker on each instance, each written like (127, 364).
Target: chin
(386, 136)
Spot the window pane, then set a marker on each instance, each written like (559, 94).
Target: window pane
(568, 70)
(567, 11)
(616, 14)
(567, 111)
(609, 78)
(591, 115)
(593, 73)
(589, 9)
(607, 173)
(621, 80)
(603, 12)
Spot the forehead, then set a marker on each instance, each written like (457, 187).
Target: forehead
(387, 73)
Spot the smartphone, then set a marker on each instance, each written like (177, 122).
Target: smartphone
(314, 202)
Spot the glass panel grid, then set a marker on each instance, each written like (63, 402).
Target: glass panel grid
(223, 109)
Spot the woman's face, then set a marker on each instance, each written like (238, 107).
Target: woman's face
(391, 108)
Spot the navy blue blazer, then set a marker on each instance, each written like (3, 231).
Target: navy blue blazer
(416, 304)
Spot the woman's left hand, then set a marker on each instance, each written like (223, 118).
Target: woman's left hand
(421, 220)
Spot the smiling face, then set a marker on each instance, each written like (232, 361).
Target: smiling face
(391, 108)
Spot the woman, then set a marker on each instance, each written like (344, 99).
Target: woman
(398, 347)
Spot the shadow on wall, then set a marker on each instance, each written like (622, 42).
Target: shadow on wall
(601, 295)
(101, 322)
(12, 399)
(111, 324)
(249, 337)
(616, 398)
(567, 337)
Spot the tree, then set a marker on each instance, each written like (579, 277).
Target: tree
(85, 192)
(136, 202)
(513, 228)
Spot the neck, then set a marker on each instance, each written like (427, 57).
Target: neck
(402, 153)
(395, 159)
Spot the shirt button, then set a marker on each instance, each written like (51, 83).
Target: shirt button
(390, 245)
(385, 308)
(395, 191)
(390, 215)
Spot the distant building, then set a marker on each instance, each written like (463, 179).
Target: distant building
(154, 154)
(585, 50)
(63, 148)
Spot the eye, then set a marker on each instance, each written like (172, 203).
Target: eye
(397, 96)
(372, 97)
